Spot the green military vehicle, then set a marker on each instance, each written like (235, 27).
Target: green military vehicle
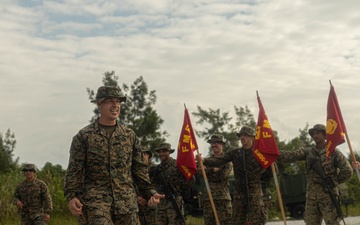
(293, 193)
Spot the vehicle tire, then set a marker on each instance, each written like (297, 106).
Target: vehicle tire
(297, 211)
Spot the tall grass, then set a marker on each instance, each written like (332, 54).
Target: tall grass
(8, 211)
(8, 184)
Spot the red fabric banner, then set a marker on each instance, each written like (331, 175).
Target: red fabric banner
(265, 148)
(335, 126)
(187, 145)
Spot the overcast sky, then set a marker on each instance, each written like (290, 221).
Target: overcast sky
(209, 53)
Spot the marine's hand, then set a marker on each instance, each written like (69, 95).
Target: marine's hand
(19, 204)
(216, 169)
(199, 158)
(47, 218)
(155, 199)
(356, 165)
(75, 207)
(141, 201)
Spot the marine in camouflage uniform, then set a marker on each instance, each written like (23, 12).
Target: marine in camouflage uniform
(336, 167)
(247, 208)
(176, 183)
(105, 164)
(147, 214)
(32, 198)
(218, 178)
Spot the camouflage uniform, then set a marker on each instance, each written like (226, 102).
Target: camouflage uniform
(318, 203)
(147, 214)
(102, 173)
(178, 184)
(254, 170)
(218, 183)
(36, 201)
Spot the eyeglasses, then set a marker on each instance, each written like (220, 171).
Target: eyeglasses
(112, 101)
(25, 170)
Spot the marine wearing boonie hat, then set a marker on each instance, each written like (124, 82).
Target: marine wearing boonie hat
(318, 127)
(164, 146)
(29, 167)
(108, 91)
(216, 138)
(246, 130)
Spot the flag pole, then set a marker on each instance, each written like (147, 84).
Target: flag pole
(276, 185)
(352, 154)
(278, 192)
(349, 145)
(208, 187)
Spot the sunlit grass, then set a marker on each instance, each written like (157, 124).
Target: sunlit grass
(194, 220)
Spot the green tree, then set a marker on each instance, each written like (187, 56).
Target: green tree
(350, 157)
(216, 122)
(301, 141)
(138, 112)
(53, 176)
(7, 146)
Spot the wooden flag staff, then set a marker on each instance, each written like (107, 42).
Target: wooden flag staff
(278, 193)
(208, 187)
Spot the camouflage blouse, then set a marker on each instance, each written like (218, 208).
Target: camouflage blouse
(337, 167)
(103, 171)
(253, 169)
(35, 197)
(175, 180)
(218, 182)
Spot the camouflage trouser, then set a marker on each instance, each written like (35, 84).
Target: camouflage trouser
(256, 216)
(97, 217)
(166, 214)
(147, 215)
(316, 210)
(223, 210)
(39, 220)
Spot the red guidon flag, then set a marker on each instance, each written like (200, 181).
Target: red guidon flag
(265, 148)
(335, 126)
(187, 145)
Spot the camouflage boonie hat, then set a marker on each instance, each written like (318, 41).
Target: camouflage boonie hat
(148, 152)
(216, 138)
(29, 166)
(318, 127)
(246, 130)
(108, 91)
(165, 146)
